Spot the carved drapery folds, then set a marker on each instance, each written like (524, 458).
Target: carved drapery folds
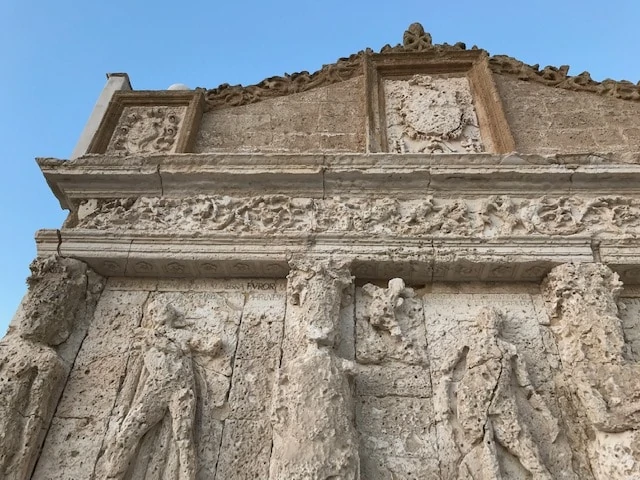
(490, 380)
(581, 300)
(313, 426)
(36, 356)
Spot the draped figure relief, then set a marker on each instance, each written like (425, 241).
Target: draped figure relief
(484, 411)
(581, 300)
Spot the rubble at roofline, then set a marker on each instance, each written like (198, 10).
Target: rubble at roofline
(415, 39)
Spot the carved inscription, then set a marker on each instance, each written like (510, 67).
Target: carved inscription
(431, 114)
(490, 217)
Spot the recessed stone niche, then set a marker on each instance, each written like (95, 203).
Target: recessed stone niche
(149, 122)
(431, 114)
(430, 103)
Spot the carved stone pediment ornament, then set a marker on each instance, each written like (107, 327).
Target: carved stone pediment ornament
(415, 39)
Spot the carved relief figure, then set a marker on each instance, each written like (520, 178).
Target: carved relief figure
(167, 388)
(486, 413)
(32, 373)
(581, 300)
(313, 414)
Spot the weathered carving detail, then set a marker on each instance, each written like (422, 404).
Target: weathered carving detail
(394, 328)
(147, 130)
(313, 416)
(559, 77)
(431, 114)
(484, 412)
(234, 95)
(414, 39)
(581, 300)
(32, 372)
(490, 217)
(167, 387)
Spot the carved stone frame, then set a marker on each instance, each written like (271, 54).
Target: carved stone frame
(474, 64)
(194, 101)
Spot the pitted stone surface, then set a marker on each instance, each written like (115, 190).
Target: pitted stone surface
(431, 114)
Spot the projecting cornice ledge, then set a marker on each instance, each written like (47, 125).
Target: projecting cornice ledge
(322, 176)
(416, 259)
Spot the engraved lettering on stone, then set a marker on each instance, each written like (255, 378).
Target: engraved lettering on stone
(32, 371)
(167, 387)
(431, 114)
(581, 300)
(484, 412)
(147, 130)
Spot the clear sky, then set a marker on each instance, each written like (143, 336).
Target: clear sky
(56, 55)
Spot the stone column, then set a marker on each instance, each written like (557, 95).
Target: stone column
(37, 354)
(314, 432)
(581, 300)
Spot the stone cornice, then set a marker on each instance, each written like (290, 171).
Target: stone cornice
(416, 259)
(323, 176)
(415, 40)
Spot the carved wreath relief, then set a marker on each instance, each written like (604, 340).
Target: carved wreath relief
(147, 130)
(431, 114)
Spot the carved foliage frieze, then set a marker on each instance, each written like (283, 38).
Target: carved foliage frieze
(490, 217)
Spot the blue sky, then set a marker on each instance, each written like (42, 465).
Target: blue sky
(56, 55)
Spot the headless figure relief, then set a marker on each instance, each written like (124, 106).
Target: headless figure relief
(167, 386)
(31, 378)
(487, 411)
(32, 374)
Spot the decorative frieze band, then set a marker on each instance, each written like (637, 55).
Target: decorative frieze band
(489, 217)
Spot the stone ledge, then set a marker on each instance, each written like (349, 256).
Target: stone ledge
(417, 260)
(321, 175)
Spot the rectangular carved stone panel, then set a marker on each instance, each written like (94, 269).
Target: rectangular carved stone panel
(494, 390)
(431, 114)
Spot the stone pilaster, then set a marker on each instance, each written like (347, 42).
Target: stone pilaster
(313, 412)
(581, 300)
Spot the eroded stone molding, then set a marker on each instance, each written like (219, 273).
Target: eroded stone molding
(581, 300)
(415, 39)
(313, 412)
(37, 354)
(489, 217)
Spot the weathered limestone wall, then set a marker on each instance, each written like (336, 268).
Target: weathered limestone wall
(327, 119)
(174, 378)
(319, 376)
(548, 120)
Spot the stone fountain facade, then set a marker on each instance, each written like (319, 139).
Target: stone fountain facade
(421, 263)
